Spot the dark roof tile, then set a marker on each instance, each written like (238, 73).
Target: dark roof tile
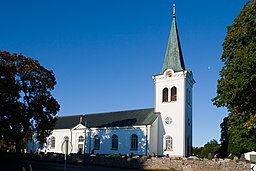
(109, 119)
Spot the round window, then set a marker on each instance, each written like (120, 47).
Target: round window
(169, 73)
(168, 120)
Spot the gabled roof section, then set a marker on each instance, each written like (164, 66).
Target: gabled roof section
(173, 55)
(109, 119)
(67, 122)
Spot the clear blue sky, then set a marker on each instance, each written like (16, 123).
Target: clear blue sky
(104, 52)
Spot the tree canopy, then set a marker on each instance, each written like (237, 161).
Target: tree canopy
(211, 147)
(236, 89)
(26, 102)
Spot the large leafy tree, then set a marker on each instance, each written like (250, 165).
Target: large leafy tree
(26, 102)
(236, 88)
(224, 139)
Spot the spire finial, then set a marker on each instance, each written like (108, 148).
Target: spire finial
(174, 10)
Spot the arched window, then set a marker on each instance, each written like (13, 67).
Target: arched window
(52, 142)
(81, 139)
(96, 142)
(173, 94)
(134, 142)
(114, 142)
(165, 95)
(168, 143)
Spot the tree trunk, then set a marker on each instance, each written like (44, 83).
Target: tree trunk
(18, 145)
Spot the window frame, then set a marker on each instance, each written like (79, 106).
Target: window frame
(165, 94)
(173, 94)
(168, 120)
(53, 142)
(114, 142)
(168, 143)
(134, 142)
(96, 145)
(81, 139)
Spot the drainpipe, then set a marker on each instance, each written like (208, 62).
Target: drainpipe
(146, 140)
(85, 124)
(71, 138)
(89, 140)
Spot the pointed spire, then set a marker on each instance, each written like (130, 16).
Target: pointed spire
(173, 55)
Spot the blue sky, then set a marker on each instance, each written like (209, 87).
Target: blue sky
(104, 52)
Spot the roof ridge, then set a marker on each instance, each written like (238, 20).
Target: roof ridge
(66, 116)
(127, 110)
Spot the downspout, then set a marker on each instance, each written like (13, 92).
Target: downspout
(85, 128)
(146, 140)
(89, 140)
(71, 138)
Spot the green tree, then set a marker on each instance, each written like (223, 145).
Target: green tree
(240, 139)
(197, 151)
(224, 139)
(25, 98)
(236, 89)
(210, 147)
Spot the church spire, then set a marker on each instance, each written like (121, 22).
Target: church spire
(173, 55)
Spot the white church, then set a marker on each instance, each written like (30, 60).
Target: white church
(165, 129)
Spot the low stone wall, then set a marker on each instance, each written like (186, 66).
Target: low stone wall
(197, 164)
(179, 164)
(121, 161)
(143, 162)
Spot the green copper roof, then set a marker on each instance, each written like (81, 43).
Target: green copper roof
(173, 55)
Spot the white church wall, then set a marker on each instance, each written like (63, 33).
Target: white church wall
(173, 109)
(153, 139)
(73, 136)
(124, 140)
(59, 135)
(160, 137)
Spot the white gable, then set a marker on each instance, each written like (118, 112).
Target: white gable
(79, 127)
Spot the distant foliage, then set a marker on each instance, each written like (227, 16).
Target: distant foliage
(236, 88)
(196, 151)
(210, 147)
(26, 102)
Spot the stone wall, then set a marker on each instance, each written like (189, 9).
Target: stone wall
(143, 162)
(179, 164)
(197, 164)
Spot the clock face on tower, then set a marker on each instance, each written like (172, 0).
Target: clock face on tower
(168, 120)
(169, 73)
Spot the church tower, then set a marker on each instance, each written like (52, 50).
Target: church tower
(173, 100)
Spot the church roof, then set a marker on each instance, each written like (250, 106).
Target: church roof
(173, 55)
(109, 119)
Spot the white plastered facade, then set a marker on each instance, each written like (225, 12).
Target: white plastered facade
(105, 134)
(175, 120)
